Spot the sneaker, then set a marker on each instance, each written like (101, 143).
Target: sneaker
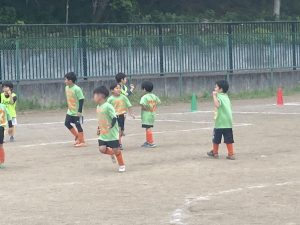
(2, 166)
(144, 145)
(12, 139)
(121, 147)
(113, 159)
(148, 145)
(122, 169)
(211, 154)
(230, 157)
(79, 145)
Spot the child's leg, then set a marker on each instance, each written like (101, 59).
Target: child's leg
(106, 150)
(228, 139)
(119, 156)
(80, 130)
(2, 153)
(217, 138)
(149, 136)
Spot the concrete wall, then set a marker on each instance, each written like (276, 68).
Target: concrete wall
(52, 92)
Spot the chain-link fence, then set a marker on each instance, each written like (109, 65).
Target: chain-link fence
(52, 57)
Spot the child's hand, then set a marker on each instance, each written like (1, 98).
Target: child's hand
(79, 114)
(132, 87)
(214, 93)
(98, 131)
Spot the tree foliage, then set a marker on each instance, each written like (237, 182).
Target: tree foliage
(100, 11)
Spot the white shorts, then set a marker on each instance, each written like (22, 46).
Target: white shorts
(14, 121)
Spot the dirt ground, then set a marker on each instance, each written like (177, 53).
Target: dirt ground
(47, 181)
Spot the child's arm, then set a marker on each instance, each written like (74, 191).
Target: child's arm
(12, 99)
(216, 101)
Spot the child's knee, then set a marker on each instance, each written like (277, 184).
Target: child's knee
(78, 126)
(102, 149)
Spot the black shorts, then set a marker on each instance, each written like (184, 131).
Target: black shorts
(121, 121)
(111, 144)
(226, 133)
(146, 126)
(1, 135)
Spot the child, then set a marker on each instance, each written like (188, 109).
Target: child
(9, 99)
(4, 120)
(223, 120)
(108, 129)
(122, 80)
(149, 103)
(121, 104)
(75, 99)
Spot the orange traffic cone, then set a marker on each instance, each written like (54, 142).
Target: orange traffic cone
(280, 97)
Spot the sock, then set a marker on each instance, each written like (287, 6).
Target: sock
(109, 151)
(2, 155)
(230, 149)
(215, 149)
(149, 136)
(119, 157)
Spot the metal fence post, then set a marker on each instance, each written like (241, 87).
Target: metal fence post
(129, 57)
(230, 50)
(17, 63)
(180, 63)
(161, 50)
(84, 54)
(272, 58)
(294, 45)
(75, 56)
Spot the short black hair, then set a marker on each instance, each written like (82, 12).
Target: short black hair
(148, 86)
(102, 90)
(224, 85)
(71, 76)
(8, 84)
(113, 86)
(120, 76)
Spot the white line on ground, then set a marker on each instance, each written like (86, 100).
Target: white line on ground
(178, 216)
(131, 135)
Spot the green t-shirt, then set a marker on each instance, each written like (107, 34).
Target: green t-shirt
(223, 114)
(74, 94)
(149, 102)
(11, 107)
(121, 103)
(4, 116)
(105, 114)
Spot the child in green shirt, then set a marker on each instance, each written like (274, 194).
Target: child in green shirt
(75, 100)
(121, 79)
(108, 129)
(223, 120)
(5, 120)
(122, 105)
(9, 99)
(149, 103)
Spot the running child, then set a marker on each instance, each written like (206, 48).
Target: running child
(5, 120)
(108, 130)
(75, 100)
(121, 79)
(9, 99)
(122, 105)
(223, 120)
(149, 103)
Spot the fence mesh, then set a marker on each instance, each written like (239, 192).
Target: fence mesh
(41, 58)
